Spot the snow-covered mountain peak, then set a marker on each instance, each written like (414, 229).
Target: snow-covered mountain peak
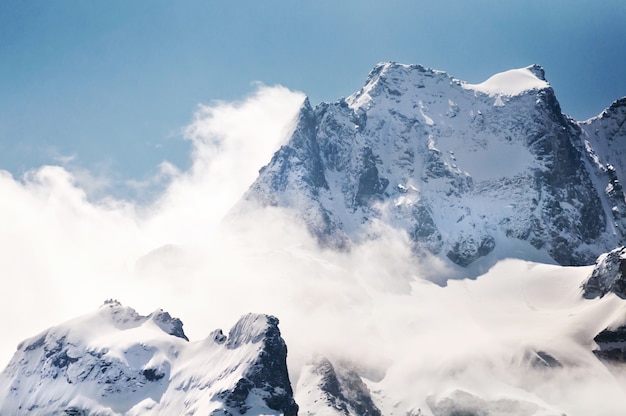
(252, 328)
(113, 313)
(170, 325)
(392, 80)
(616, 111)
(399, 82)
(513, 82)
(122, 317)
(464, 169)
(116, 362)
(400, 72)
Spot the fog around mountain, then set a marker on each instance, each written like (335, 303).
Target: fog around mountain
(419, 333)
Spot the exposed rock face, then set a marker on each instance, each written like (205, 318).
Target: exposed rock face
(611, 344)
(466, 251)
(335, 390)
(461, 168)
(268, 373)
(117, 362)
(608, 276)
(604, 138)
(539, 360)
(169, 325)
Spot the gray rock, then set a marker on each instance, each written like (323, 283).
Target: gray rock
(343, 388)
(611, 344)
(269, 372)
(608, 275)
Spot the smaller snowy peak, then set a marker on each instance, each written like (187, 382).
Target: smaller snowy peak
(251, 329)
(111, 358)
(334, 390)
(170, 325)
(512, 82)
(217, 337)
(267, 377)
(393, 79)
(389, 70)
(115, 362)
(124, 317)
(608, 276)
(617, 110)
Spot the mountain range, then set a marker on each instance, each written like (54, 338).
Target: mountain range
(491, 179)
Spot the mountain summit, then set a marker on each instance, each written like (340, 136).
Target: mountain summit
(468, 171)
(117, 362)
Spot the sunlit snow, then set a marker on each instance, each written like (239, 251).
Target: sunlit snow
(512, 82)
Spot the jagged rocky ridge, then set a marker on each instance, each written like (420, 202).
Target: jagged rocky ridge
(117, 362)
(465, 170)
(338, 390)
(609, 276)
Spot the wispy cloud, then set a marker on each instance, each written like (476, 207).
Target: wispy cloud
(67, 244)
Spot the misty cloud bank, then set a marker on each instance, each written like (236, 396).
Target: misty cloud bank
(65, 252)
(376, 305)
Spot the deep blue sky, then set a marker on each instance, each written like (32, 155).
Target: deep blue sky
(112, 82)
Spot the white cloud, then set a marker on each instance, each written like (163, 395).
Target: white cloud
(64, 253)
(231, 142)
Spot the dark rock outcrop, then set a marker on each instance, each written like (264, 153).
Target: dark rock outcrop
(608, 276)
(268, 373)
(342, 388)
(611, 344)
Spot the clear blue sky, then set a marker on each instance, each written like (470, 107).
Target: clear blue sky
(113, 81)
